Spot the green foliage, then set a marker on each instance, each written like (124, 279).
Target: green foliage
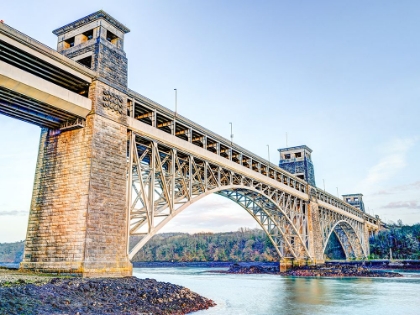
(244, 245)
(401, 240)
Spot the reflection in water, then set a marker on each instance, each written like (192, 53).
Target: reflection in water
(271, 294)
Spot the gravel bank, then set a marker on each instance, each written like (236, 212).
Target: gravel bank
(128, 296)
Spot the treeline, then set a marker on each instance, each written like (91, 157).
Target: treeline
(243, 245)
(11, 252)
(399, 241)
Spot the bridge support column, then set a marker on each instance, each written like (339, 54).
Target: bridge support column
(366, 239)
(78, 216)
(285, 264)
(288, 263)
(314, 227)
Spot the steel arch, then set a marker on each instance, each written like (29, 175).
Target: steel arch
(348, 239)
(264, 217)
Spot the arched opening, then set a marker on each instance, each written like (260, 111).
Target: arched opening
(347, 238)
(334, 249)
(214, 229)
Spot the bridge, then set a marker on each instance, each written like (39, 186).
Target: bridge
(113, 164)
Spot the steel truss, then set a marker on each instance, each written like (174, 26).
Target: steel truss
(163, 181)
(349, 231)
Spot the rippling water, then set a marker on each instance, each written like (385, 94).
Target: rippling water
(271, 294)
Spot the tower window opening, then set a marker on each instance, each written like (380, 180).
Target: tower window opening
(87, 62)
(298, 154)
(301, 176)
(88, 34)
(112, 38)
(287, 156)
(68, 43)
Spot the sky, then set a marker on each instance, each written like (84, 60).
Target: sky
(341, 77)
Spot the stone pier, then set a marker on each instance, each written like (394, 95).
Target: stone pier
(78, 220)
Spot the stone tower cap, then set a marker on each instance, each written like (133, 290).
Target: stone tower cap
(90, 18)
(304, 147)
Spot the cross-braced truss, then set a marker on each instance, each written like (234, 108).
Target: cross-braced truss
(350, 232)
(164, 181)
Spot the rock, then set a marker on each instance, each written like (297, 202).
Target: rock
(128, 295)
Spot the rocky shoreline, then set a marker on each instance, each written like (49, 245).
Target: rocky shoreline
(333, 271)
(23, 294)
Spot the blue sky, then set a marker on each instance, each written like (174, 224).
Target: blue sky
(342, 77)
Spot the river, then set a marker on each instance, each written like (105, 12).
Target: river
(271, 294)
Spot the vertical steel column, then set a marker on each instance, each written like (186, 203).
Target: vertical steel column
(173, 170)
(131, 139)
(152, 186)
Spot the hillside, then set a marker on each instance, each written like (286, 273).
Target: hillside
(243, 245)
(402, 241)
(11, 252)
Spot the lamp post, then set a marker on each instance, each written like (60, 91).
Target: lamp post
(231, 134)
(268, 151)
(176, 101)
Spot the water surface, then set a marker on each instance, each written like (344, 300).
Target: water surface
(272, 294)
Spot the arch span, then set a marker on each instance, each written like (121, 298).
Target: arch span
(289, 240)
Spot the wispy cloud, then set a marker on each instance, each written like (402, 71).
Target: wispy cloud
(391, 163)
(402, 205)
(13, 213)
(211, 214)
(399, 189)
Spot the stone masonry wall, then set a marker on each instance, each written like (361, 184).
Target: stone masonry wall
(315, 232)
(111, 63)
(57, 219)
(106, 228)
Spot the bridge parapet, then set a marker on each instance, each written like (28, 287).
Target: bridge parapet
(151, 113)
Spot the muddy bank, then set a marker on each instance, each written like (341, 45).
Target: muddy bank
(336, 271)
(126, 296)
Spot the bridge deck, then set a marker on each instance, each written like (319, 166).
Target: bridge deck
(39, 85)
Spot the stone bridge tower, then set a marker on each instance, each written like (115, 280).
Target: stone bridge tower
(78, 219)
